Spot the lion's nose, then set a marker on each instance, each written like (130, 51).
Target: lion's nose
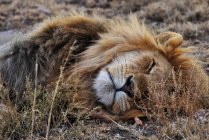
(128, 87)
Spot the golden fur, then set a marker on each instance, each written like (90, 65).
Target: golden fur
(100, 42)
(128, 36)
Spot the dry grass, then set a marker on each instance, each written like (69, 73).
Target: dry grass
(164, 111)
(17, 124)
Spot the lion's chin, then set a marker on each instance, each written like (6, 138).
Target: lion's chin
(116, 102)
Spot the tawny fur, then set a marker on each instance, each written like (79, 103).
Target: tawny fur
(98, 41)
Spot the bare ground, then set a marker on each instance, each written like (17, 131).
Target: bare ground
(187, 17)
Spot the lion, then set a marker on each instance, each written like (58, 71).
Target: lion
(118, 61)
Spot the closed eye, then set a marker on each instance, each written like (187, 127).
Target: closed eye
(151, 66)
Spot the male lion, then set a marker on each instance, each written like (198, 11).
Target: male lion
(121, 64)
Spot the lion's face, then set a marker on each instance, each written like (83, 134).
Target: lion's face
(128, 65)
(128, 76)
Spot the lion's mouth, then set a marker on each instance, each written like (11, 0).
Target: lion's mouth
(113, 95)
(127, 88)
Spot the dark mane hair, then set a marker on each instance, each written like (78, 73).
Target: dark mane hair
(47, 45)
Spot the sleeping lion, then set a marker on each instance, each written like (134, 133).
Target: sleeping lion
(121, 64)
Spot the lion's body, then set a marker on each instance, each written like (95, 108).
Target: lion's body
(119, 61)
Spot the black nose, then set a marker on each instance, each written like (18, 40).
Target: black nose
(128, 87)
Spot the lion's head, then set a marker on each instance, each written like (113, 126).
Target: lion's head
(119, 69)
(128, 75)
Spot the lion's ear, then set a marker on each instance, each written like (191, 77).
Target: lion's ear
(169, 39)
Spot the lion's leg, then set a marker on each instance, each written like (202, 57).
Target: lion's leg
(130, 114)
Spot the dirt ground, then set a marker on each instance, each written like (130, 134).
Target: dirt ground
(187, 17)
